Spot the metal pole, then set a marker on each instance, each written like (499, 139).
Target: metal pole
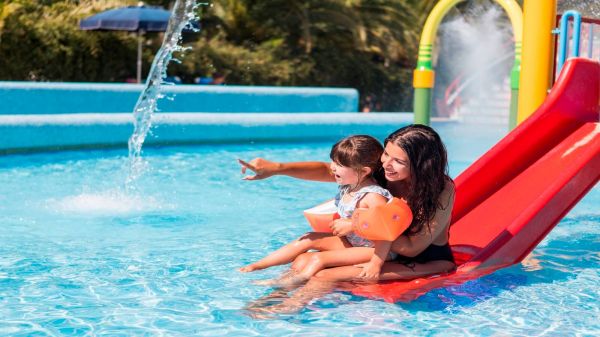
(591, 40)
(140, 34)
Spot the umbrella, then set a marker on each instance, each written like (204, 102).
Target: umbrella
(139, 19)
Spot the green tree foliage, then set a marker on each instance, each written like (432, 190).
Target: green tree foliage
(40, 40)
(366, 44)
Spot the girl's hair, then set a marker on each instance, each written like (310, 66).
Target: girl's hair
(357, 152)
(428, 171)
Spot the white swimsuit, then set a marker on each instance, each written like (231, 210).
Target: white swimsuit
(345, 210)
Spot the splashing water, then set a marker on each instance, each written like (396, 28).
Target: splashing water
(183, 12)
(111, 202)
(477, 52)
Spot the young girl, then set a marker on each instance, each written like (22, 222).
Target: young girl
(354, 161)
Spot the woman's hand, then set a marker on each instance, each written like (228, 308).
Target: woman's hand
(262, 168)
(370, 272)
(341, 227)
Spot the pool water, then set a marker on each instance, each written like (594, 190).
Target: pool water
(81, 256)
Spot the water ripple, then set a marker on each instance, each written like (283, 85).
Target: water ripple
(166, 265)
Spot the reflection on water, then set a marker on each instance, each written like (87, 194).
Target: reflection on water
(531, 263)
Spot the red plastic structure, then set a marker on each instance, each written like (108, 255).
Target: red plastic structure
(511, 197)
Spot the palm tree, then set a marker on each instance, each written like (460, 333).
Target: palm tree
(6, 9)
(366, 44)
(387, 28)
(375, 26)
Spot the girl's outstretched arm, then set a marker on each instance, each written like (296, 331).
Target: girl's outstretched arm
(309, 170)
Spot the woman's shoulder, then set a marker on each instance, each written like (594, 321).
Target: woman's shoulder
(449, 187)
(448, 194)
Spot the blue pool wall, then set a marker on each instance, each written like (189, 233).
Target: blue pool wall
(57, 116)
(56, 132)
(61, 98)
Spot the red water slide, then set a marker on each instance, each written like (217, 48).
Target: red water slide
(511, 197)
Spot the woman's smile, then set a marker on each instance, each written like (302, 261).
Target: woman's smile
(390, 173)
(395, 163)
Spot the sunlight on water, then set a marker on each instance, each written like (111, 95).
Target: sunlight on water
(108, 203)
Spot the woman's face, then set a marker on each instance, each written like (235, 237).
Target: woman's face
(344, 175)
(395, 163)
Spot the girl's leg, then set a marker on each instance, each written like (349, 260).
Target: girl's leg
(308, 264)
(286, 278)
(301, 261)
(287, 253)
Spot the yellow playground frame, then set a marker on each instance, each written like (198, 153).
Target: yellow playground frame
(531, 72)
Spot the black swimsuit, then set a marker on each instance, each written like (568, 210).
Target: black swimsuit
(431, 253)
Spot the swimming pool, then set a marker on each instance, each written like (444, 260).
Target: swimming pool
(80, 256)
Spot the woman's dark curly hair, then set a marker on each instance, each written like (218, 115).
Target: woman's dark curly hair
(428, 169)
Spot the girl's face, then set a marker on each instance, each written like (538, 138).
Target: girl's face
(344, 175)
(395, 163)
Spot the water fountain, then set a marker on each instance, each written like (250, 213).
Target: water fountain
(183, 13)
(475, 59)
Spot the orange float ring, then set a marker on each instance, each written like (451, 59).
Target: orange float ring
(321, 216)
(385, 222)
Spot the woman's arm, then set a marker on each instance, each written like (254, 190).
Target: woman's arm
(310, 170)
(372, 268)
(413, 245)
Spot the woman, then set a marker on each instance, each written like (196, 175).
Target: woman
(415, 168)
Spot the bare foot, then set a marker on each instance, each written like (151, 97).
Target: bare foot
(280, 309)
(262, 313)
(270, 310)
(249, 268)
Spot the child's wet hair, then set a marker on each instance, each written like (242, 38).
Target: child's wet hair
(357, 152)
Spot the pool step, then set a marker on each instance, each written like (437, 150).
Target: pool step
(27, 133)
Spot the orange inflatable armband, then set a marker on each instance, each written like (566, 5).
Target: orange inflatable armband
(320, 216)
(385, 222)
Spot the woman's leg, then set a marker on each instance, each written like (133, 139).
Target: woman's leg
(389, 271)
(287, 253)
(327, 279)
(275, 296)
